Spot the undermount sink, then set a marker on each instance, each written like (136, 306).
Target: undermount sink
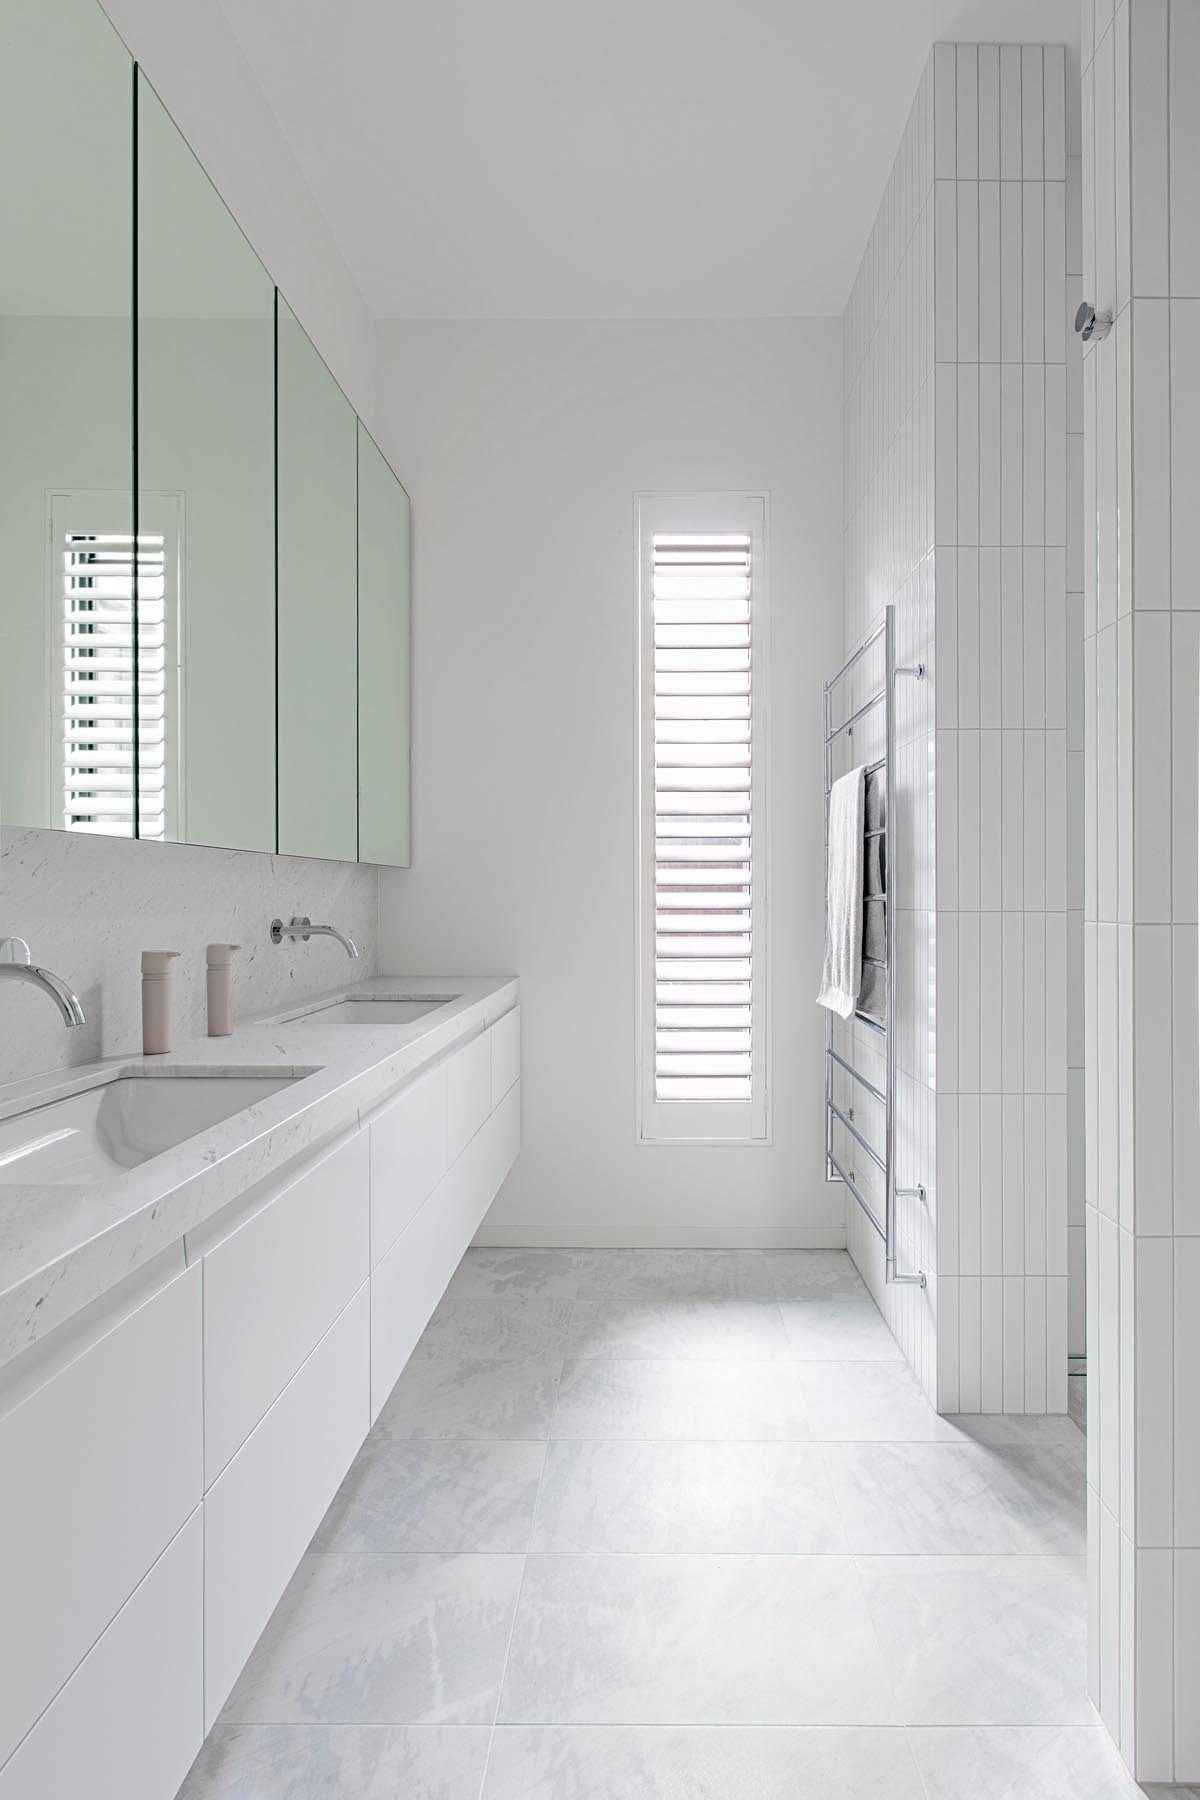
(374, 1012)
(109, 1129)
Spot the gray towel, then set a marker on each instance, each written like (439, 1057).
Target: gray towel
(842, 975)
(872, 997)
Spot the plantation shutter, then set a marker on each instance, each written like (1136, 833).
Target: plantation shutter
(703, 813)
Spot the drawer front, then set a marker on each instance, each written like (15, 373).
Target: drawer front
(408, 1157)
(273, 1288)
(411, 1279)
(469, 1100)
(263, 1510)
(130, 1720)
(506, 1054)
(102, 1466)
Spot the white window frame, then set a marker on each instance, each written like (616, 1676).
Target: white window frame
(704, 1121)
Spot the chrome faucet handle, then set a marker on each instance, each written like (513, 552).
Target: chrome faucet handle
(303, 928)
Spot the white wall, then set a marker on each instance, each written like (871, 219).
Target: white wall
(523, 446)
(195, 62)
(1141, 261)
(888, 503)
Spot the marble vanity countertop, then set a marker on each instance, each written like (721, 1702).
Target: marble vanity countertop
(64, 1247)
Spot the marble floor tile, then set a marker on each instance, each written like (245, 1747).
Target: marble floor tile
(705, 1330)
(498, 1330)
(466, 1397)
(675, 1275)
(339, 1762)
(1077, 1400)
(872, 1401)
(671, 1762)
(935, 1499)
(982, 1640)
(1040, 1431)
(838, 1330)
(814, 1275)
(400, 1495)
(683, 1639)
(515, 1275)
(663, 1399)
(773, 1498)
(382, 1640)
(1030, 1763)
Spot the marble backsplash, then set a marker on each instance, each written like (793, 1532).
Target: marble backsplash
(89, 906)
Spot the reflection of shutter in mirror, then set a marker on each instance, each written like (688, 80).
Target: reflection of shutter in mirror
(93, 761)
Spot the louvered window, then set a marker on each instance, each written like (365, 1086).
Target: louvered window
(703, 855)
(94, 723)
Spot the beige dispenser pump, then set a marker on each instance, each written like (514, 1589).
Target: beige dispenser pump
(220, 989)
(156, 1001)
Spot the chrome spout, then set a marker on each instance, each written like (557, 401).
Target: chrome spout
(16, 964)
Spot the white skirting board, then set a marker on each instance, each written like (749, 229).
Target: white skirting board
(661, 1237)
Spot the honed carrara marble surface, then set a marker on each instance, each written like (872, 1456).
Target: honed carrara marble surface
(61, 1248)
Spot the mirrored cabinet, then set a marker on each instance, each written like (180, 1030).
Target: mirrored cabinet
(205, 593)
(318, 602)
(384, 621)
(66, 370)
(206, 534)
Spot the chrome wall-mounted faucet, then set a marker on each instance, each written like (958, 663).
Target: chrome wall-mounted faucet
(16, 964)
(304, 929)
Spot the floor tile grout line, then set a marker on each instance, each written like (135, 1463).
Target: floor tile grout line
(487, 1761)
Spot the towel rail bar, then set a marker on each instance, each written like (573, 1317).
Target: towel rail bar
(858, 1137)
(876, 1093)
(885, 1162)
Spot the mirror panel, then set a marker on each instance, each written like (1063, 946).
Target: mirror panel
(206, 461)
(66, 513)
(316, 451)
(384, 612)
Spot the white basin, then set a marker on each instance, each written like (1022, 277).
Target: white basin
(373, 1012)
(109, 1129)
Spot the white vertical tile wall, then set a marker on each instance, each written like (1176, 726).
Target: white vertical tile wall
(964, 473)
(1139, 405)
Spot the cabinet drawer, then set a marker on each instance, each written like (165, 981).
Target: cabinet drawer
(102, 1466)
(407, 1285)
(469, 1098)
(130, 1720)
(264, 1508)
(408, 1157)
(274, 1286)
(506, 1053)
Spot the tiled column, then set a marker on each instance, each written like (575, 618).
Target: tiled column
(1141, 230)
(959, 483)
(1003, 844)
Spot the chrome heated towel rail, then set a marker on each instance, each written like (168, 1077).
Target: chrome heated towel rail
(884, 1161)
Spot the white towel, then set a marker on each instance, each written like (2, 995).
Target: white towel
(842, 978)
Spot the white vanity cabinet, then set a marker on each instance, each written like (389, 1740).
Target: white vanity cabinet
(481, 1144)
(167, 1457)
(264, 1508)
(128, 1723)
(274, 1281)
(102, 1468)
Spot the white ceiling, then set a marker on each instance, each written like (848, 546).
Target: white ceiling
(605, 158)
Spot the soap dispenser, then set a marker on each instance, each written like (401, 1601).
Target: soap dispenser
(156, 1001)
(220, 989)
